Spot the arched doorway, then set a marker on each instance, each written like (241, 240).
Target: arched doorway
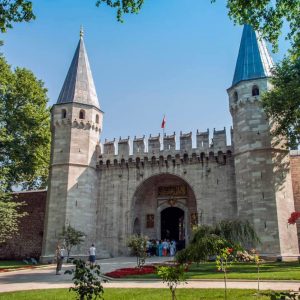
(164, 203)
(172, 224)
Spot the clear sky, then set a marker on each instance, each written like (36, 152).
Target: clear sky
(175, 58)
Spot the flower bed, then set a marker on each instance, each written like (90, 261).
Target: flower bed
(120, 273)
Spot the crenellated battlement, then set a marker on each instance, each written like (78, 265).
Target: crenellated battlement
(165, 147)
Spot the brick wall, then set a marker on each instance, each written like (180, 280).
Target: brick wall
(28, 242)
(295, 171)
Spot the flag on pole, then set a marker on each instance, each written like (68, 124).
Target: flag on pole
(163, 123)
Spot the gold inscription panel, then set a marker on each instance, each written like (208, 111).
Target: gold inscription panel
(172, 191)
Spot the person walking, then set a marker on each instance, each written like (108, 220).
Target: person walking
(92, 255)
(59, 254)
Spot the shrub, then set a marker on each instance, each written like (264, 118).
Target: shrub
(87, 281)
(137, 243)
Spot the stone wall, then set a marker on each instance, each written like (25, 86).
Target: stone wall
(128, 187)
(28, 242)
(295, 171)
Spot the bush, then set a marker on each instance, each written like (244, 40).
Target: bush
(87, 281)
(137, 244)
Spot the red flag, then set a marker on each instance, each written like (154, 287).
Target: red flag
(163, 123)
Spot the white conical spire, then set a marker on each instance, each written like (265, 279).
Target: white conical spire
(79, 85)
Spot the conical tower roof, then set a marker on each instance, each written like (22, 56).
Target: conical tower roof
(254, 60)
(79, 85)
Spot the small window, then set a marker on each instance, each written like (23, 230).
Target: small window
(63, 113)
(235, 97)
(97, 119)
(255, 90)
(82, 114)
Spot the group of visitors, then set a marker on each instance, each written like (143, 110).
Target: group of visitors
(161, 247)
(60, 255)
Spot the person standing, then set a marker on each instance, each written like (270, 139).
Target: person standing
(59, 254)
(92, 255)
(160, 249)
(165, 247)
(173, 248)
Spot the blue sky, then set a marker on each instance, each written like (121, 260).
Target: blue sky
(172, 58)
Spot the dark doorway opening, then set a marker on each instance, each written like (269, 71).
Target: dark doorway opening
(172, 224)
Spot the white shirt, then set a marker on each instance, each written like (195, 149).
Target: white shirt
(92, 251)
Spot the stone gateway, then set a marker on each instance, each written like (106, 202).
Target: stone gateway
(120, 188)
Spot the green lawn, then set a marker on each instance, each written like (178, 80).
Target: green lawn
(272, 270)
(137, 294)
(11, 264)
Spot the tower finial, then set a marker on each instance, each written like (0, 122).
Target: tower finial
(81, 32)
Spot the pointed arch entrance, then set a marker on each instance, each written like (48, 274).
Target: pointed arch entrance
(165, 205)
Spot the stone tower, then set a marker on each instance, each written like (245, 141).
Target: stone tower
(76, 125)
(263, 180)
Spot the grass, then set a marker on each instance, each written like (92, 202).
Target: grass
(268, 271)
(11, 264)
(137, 294)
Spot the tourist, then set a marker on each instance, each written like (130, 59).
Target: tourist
(160, 248)
(148, 247)
(165, 247)
(59, 255)
(157, 247)
(92, 255)
(173, 248)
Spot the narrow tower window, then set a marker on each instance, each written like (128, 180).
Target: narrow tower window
(97, 119)
(255, 90)
(235, 97)
(63, 113)
(82, 114)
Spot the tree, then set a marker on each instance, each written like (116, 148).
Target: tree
(87, 281)
(172, 275)
(24, 129)
(210, 240)
(223, 261)
(137, 244)
(239, 233)
(10, 216)
(204, 243)
(282, 103)
(72, 238)
(12, 11)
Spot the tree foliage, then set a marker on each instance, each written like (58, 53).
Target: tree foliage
(71, 238)
(210, 240)
(268, 17)
(123, 6)
(137, 244)
(10, 216)
(87, 281)
(282, 103)
(24, 129)
(14, 11)
(172, 276)
(237, 232)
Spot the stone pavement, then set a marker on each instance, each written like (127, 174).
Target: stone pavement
(45, 278)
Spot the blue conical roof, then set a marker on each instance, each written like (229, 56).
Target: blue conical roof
(254, 60)
(79, 85)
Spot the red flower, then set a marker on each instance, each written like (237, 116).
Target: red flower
(131, 271)
(229, 250)
(294, 217)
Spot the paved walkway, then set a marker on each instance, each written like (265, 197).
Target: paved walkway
(45, 278)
